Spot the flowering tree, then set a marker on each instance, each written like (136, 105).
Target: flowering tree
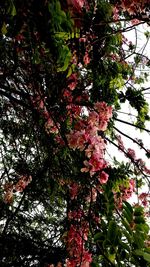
(66, 70)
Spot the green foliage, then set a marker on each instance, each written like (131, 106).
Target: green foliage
(60, 20)
(38, 110)
(137, 101)
(64, 58)
(117, 83)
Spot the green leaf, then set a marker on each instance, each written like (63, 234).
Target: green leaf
(112, 257)
(62, 35)
(117, 82)
(64, 59)
(146, 256)
(127, 226)
(128, 216)
(13, 11)
(138, 252)
(138, 240)
(112, 232)
(69, 72)
(4, 29)
(138, 211)
(127, 235)
(139, 219)
(98, 236)
(142, 227)
(128, 212)
(125, 246)
(128, 207)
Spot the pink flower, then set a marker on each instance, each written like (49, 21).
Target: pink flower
(103, 178)
(93, 195)
(132, 184)
(105, 112)
(77, 4)
(87, 166)
(135, 21)
(46, 114)
(67, 94)
(59, 140)
(131, 153)
(120, 142)
(103, 125)
(146, 170)
(93, 118)
(74, 188)
(73, 110)
(50, 126)
(76, 215)
(86, 58)
(77, 139)
(96, 163)
(87, 258)
(72, 81)
(92, 130)
(72, 139)
(41, 104)
(70, 263)
(83, 39)
(115, 13)
(96, 146)
(89, 150)
(82, 139)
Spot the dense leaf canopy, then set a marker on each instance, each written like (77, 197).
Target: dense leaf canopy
(66, 70)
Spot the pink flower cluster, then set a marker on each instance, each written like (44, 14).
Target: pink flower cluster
(133, 6)
(74, 111)
(144, 199)
(86, 138)
(76, 215)
(74, 188)
(79, 256)
(95, 164)
(103, 177)
(51, 127)
(72, 81)
(105, 114)
(130, 153)
(9, 188)
(92, 195)
(76, 4)
(77, 235)
(86, 58)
